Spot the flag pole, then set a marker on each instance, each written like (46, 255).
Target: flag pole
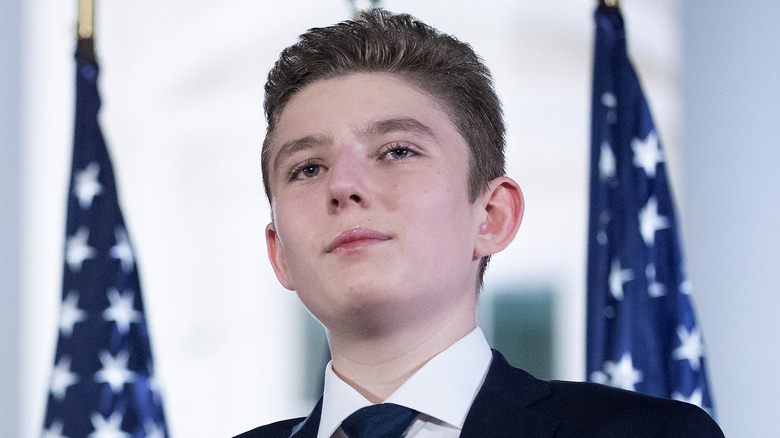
(85, 29)
(102, 312)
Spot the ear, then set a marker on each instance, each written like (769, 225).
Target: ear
(503, 212)
(276, 256)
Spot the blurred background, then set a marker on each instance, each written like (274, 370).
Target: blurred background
(181, 83)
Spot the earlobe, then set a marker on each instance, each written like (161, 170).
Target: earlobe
(504, 206)
(276, 256)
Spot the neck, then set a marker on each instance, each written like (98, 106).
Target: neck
(377, 362)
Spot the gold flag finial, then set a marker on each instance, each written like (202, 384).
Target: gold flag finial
(85, 24)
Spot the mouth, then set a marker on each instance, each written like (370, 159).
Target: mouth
(356, 238)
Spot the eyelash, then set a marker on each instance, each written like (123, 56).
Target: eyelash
(296, 171)
(392, 147)
(384, 152)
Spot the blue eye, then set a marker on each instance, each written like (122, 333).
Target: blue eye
(305, 171)
(398, 152)
(311, 170)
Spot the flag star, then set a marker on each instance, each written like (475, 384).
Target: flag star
(607, 167)
(108, 427)
(62, 378)
(86, 185)
(696, 397)
(77, 250)
(623, 374)
(691, 347)
(604, 218)
(617, 278)
(608, 99)
(54, 430)
(153, 430)
(70, 313)
(650, 221)
(654, 288)
(122, 250)
(647, 153)
(121, 310)
(154, 384)
(114, 371)
(686, 287)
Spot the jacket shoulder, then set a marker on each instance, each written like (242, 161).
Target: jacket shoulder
(598, 410)
(280, 429)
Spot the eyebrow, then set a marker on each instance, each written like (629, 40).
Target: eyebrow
(406, 124)
(294, 146)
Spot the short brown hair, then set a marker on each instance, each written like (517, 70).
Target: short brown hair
(379, 41)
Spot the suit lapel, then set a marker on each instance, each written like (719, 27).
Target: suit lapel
(310, 425)
(501, 406)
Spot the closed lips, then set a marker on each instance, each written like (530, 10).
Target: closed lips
(356, 237)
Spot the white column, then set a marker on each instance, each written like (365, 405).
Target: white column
(732, 202)
(10, 77)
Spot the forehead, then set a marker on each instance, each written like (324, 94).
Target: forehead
(354, 101)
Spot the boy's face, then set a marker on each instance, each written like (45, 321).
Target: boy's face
(371, 217)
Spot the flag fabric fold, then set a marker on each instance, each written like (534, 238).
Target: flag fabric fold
(103, 383)
(642, 334)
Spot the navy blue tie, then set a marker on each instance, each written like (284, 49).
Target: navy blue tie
(385, 420)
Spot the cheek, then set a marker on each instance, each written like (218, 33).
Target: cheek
(292, 229)
(443, 213)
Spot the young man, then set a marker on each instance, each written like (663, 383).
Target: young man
(384, 166)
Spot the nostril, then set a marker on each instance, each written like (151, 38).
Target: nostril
(337, 202)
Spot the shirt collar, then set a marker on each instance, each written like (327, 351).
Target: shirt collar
(444, 388)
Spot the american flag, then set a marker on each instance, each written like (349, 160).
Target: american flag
(103, 384)
(642, 333)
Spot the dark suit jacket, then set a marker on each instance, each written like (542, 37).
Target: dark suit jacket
(512, 403)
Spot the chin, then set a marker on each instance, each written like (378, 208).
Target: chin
(356, 304)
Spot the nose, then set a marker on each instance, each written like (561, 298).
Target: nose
(348, 182)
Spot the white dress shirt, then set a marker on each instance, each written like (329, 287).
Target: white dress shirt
(442, 391)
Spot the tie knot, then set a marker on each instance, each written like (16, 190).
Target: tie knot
(386, 420)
